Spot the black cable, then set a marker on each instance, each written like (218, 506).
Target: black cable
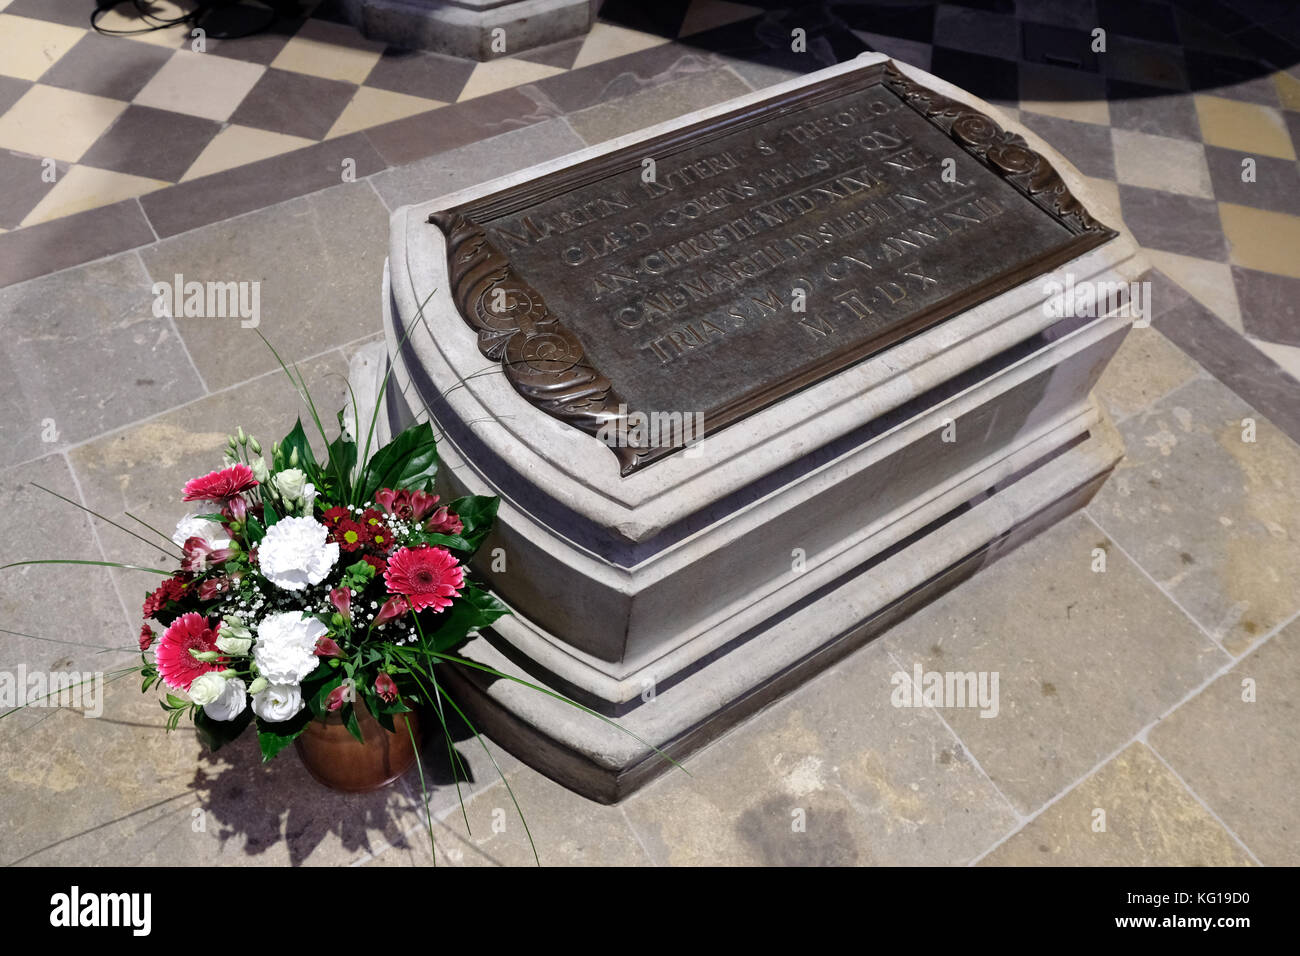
(195, 18)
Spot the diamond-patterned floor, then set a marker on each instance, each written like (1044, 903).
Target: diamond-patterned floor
(1189, 118)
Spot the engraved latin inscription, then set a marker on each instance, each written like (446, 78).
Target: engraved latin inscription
(770, 251)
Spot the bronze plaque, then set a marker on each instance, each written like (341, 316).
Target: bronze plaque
(687, 281)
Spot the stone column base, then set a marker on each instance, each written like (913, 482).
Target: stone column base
(465, 27)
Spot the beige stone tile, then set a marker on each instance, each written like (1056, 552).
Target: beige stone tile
(372, 106)
(503, 74)
(1147, 818)
(834, 774)
(1288, 90)
(1209, 282)
(237, 145)
(29, 47)
(121, 790)
(1161, 162)
(606, 41)
(334, 51)
(566, 829)
(1261, 239)
(61, 124)
(1245, 127)
(1066, 641)
(200, 85)
(1068, 94)
(319, 260)
(1209, 516)
(1147, 367)
(656, 104)
(1240, 756)
(85, 187)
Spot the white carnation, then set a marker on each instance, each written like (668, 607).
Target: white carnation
(192, 526)
(285, 651)
(206, 688)
(277, 703)
(295, 553)
(231, 703)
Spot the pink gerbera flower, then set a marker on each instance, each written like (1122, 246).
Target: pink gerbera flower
(220, 485)
(427, 577)
(176, 664)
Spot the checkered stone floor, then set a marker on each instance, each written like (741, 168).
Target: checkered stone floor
(1188, 122)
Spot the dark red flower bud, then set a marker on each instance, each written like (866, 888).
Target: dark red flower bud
(338, 697)
(385, 687)
(326, 646)
(341, 598)
(395, 606)
(146, 637)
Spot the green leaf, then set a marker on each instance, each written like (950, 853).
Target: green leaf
(215, 734)
(477, 513)
(409, 462)
(275, 737)
(474, 609)
(269, 513)
(253, 528)
(350, 721)
(453, 541)
(343, 458)
(296, 440)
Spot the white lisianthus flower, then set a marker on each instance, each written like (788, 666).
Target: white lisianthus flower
(207, 688)
(234, 646)
(289, 483)
(231, 703)
(285, 652)
(295, 553)
(279, 702)
(308, 498)
(192, 526)
(260, 471)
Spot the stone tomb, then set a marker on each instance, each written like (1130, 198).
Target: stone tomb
(752, 385)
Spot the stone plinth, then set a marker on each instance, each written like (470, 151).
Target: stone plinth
(467, 28)
(677, 592)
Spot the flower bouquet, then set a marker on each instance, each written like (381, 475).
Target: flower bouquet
(310, 593)
(306, 590)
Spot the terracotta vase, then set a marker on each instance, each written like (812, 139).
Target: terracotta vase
(341, 762)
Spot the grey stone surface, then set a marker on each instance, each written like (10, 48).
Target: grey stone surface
(1061, 637)
(832, 775)
(82, 353)
(64, 618)
(319, 261)
(1211, 517)
(674, 98)
(476, 163)
(1240, 755)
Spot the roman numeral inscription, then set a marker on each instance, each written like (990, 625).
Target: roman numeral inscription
(769, 248)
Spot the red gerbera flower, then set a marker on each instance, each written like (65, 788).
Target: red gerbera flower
(220, 485)
(176, 664)
(428, 577)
